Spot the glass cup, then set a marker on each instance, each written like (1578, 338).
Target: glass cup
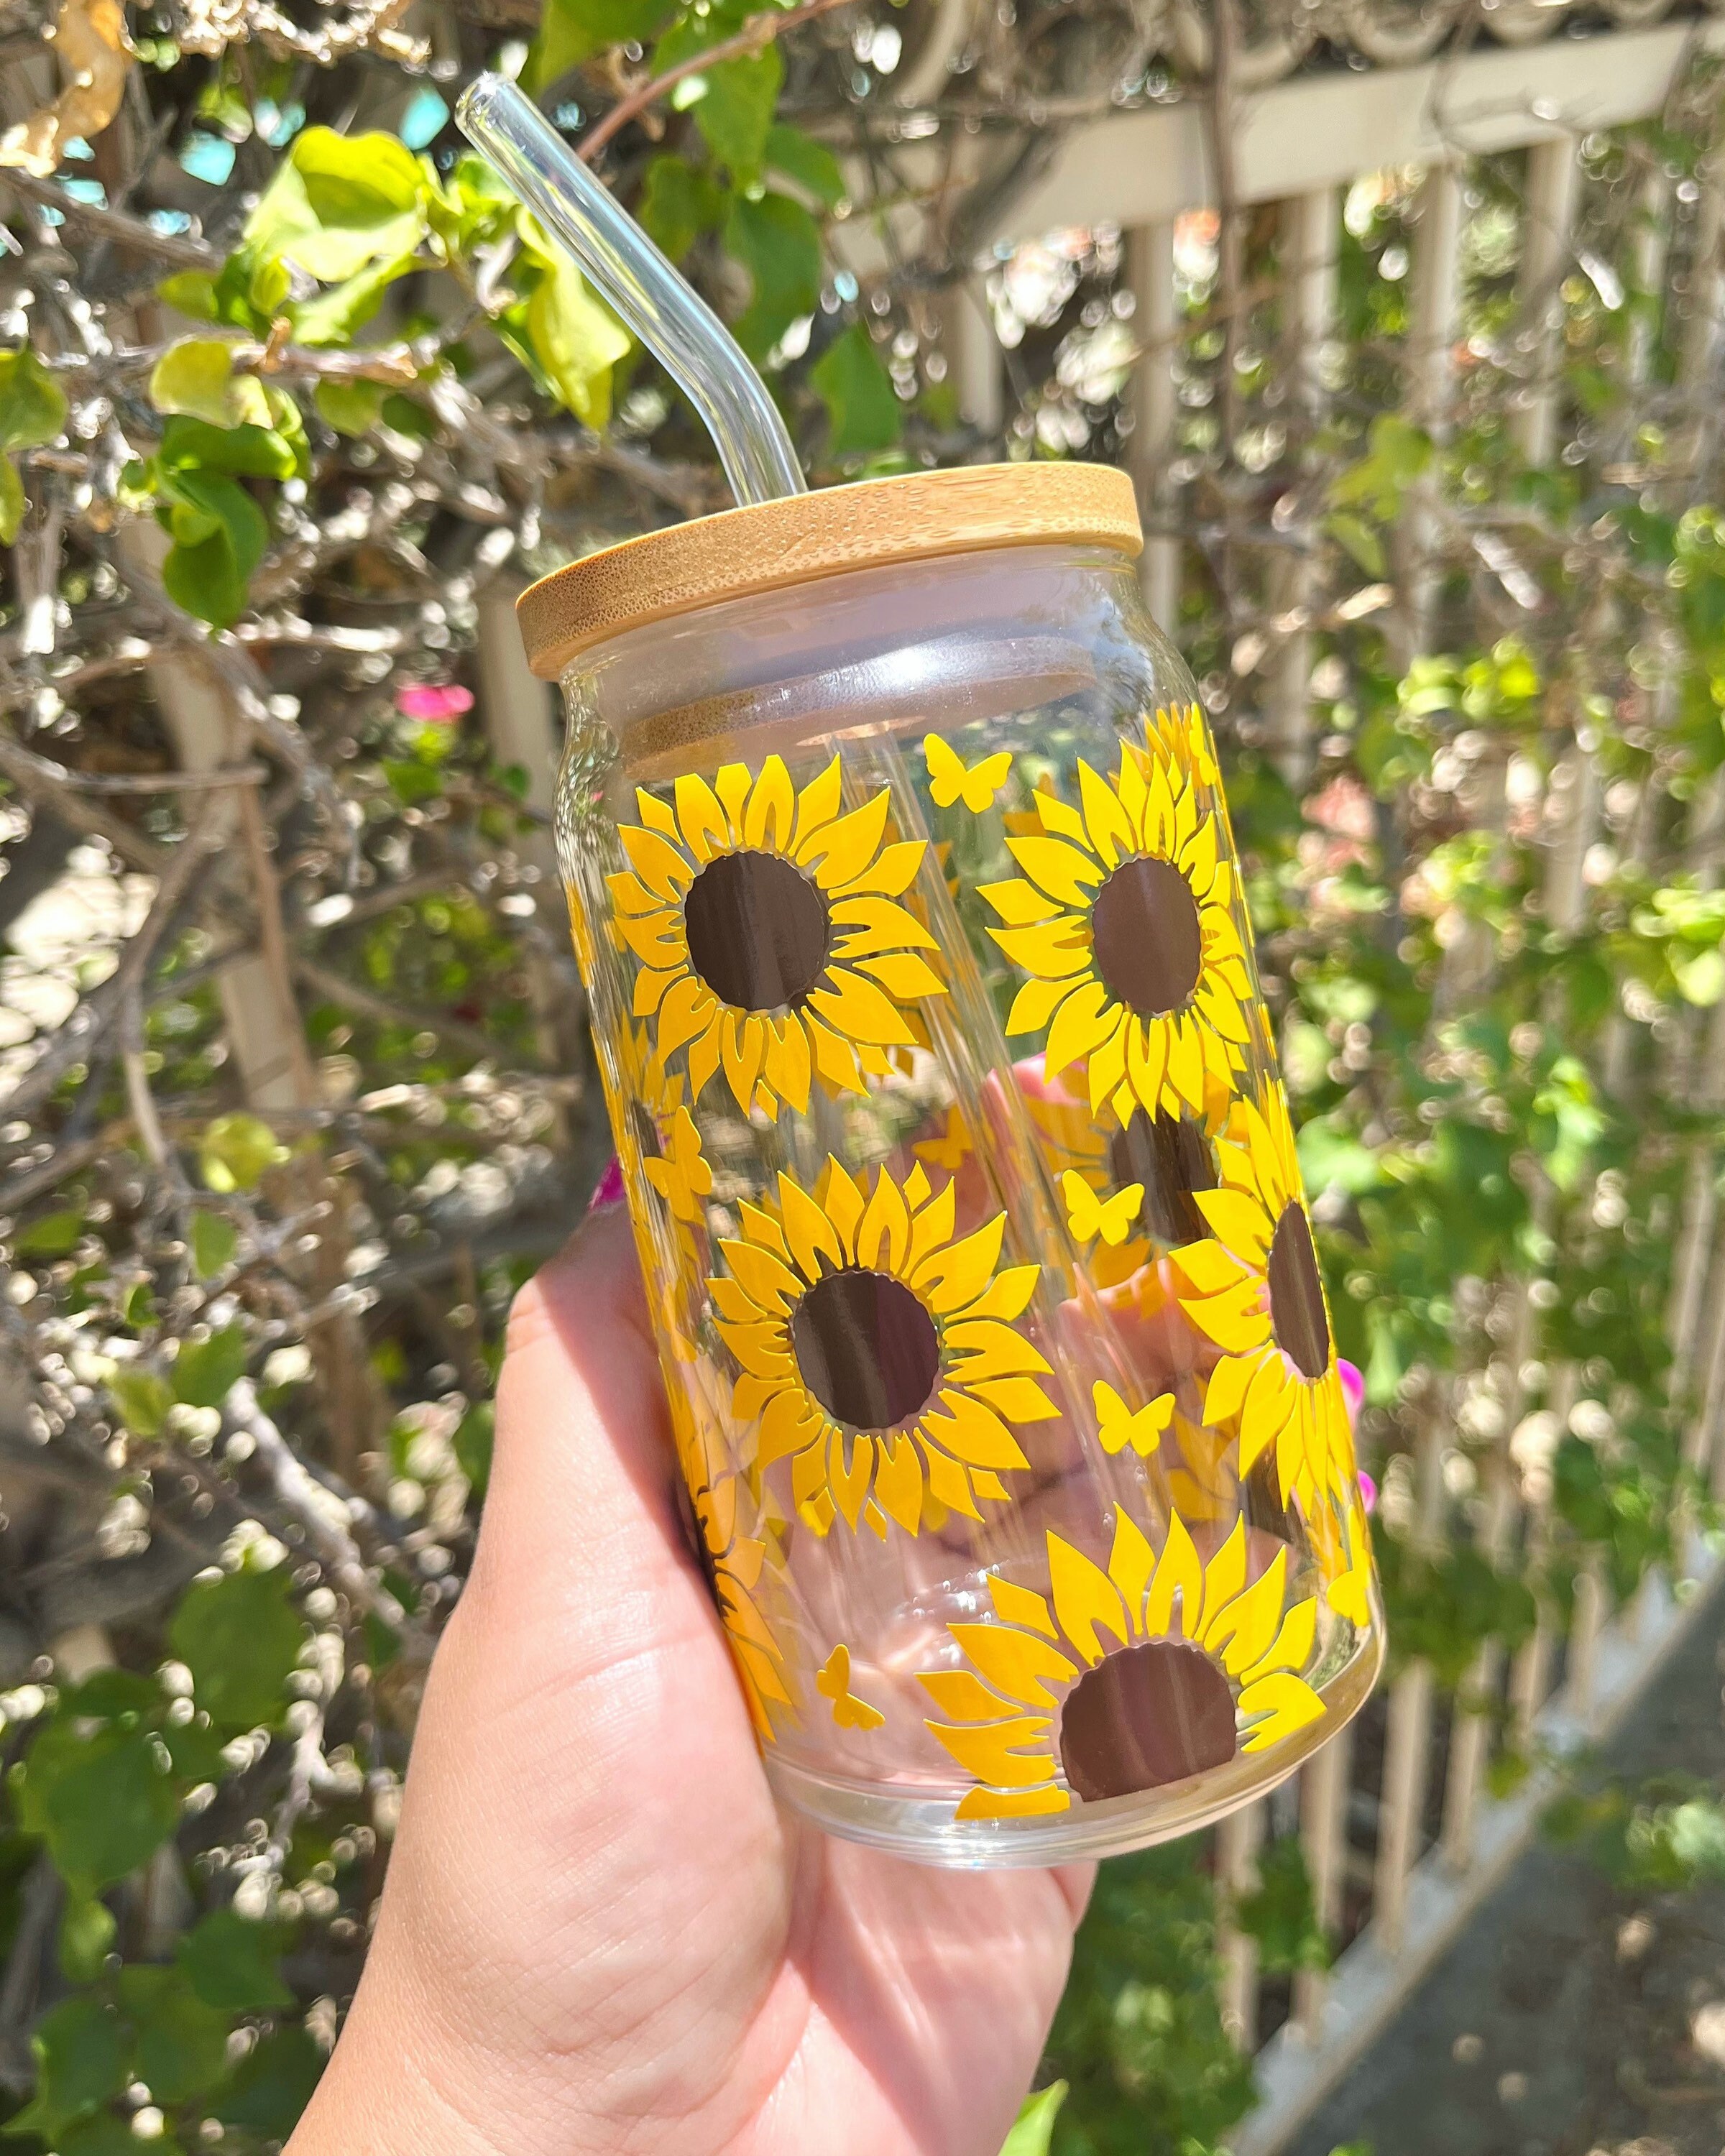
(1000, 1369)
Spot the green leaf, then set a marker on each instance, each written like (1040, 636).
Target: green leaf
(778, 243)
(338, 202)
(86, 1936)
(33, 405)
(272, 2085)
(733, 100)
(142, 1399)
(1700, 979)
(196, 377)
(14, 501)
(82, 2052)
(54, 1236)
(240, 1636)
(570, 31)
(809, 163)
(102, 1801)
(351, 408)
(678, 203)
(472, 1445)
(862, 411)
(575, 338)
(242, 452)
(334, 317)
(235, 1965)
(106, 2135)
(219, 535)
(205, 1371)
(193, 293)
(1359, 538)
(1035, 2125)
(181, 2042)
(213, 1242)
(236, 1151)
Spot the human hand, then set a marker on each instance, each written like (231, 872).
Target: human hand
(598, 1932)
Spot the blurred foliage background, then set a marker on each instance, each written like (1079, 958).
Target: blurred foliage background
(293, 1086)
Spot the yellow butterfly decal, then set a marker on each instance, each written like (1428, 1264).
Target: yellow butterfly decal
(1118, 1425)
(833, 1682)
(950, 779)
(952, 1149)
(1089, 1215)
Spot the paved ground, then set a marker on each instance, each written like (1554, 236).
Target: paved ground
(1572, 2019)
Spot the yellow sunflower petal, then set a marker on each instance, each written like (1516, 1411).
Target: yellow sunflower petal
(949, 1481)
(1065, 872)
(891, 872)
(970, 1431)
(817, 803)
(1015, 1663)
(762, 1350)
(1223, 1576)
(772, 812)
(1236, 1319)
(1054, 950)
(688, 1006)
(1131, 1561)
(810, 1234)
(1226, 1392)
(1271, 1401)
(656, 815)
(1107, 1064)
(1237, 1219)
(1007, 1295)
(1060, 818)
(630, 895)
(1185, 1063)
(650, 992)
(898, 1481)
(769, 1281)
(1012, 1804)
(903, 975)
(883, 1236)
(1198, 857)
(860, 1011)
(844, 1201)
(1210, 1268)
(657, 939)
(1277, 1706)
(1292, 1648)
(1019, 1606)
(702, 820)
(951, 1278)
(742, 1044)
(848, 1478)
(962, 1697)
(1177, 1572)
(761, 1228)
(1105, 820)
(862, 926)
(991, 1349)
(1018, 903)
(1019, 1399)
(1241, 1630)
(1035, 1003)
(841, 850)
(989, 1752)
(1082, 1023)
(1084, 1597)
(834, 1058)
(731, 784)
(1148, 1042)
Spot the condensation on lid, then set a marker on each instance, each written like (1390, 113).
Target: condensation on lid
(916, 516)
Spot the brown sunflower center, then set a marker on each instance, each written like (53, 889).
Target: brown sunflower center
(1296, 1296)
(758, 930)
(867, 1348)
(1147, 938)
(1171, 1157)
(1150, 1714)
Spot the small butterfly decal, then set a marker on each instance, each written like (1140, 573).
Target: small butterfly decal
(833, 1682)
(1089, 1215)
(1118, 1425)
(950, 779)
(952, 1149)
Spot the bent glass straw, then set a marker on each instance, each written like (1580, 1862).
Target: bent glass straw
(639, 284)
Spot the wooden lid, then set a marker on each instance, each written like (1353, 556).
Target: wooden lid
(741, 552)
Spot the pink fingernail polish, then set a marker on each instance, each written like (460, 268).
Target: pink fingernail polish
(609, 1192)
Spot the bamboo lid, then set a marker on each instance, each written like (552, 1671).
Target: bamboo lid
(741, 552)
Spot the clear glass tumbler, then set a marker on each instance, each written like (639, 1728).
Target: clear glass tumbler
(1000, 1367)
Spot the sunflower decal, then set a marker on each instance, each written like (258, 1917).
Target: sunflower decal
(1123, 920)
(878, 1352)
(1121, 1681)
(733, 1563)
(771, 940)
(1252, 1286)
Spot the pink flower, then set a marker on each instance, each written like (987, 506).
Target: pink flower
(435, 703)
(1354, 1385)
(1368, 1491)
(610, 1190)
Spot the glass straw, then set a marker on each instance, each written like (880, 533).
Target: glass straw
(640, 285)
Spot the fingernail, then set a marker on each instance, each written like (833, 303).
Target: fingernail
(610, 1187)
